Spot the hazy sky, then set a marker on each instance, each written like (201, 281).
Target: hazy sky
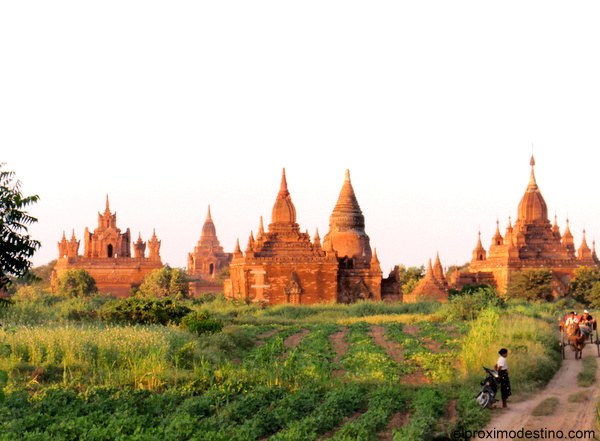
(168, 107)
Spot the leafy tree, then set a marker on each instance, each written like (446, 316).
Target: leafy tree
(76, 283)
(581, 285)
(593, 296)
(531, 285)
(165, 282)
(410, 277)
(16, 246)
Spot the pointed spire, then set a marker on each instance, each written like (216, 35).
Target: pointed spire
(584, 251)
(283, 216)
(250, 245)
(283, 189)
(107, 209)
(237, 253)
(438, 270)
(374, 259)
(261, 229)
(532, 207)
(208, 216)
(497, 239)
(479, 252)
(429, 272)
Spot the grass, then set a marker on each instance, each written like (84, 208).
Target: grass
(546, 407)
(533, 356)
(587, 376)
(66, 367)
(579, 397)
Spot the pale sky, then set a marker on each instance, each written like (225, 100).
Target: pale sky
(433, 106)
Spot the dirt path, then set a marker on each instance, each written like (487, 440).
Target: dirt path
(566, 416)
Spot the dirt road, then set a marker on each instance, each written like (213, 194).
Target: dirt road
(567, 416)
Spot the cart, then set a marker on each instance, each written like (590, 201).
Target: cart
(592, 340)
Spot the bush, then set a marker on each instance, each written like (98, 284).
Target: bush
(470, 302)
(135, 310)
(201, 323)
(76, 283)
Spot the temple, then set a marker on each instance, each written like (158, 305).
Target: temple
(207, 261)
(284, 265)
(532, 243)
(432, 287)
(107, 256)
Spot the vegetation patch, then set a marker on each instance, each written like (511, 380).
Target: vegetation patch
(587, 376)
(579, 397)
(546, 407)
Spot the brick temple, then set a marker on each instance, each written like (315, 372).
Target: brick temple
(207, 261)
(284, 265)
(532, 243)
(107, 256)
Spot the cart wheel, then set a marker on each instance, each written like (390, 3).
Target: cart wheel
(598, 348)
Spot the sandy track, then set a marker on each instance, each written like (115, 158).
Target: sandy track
(567, 416)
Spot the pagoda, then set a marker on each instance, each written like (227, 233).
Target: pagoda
(207, 260)
(284, 265)
(533, 242)
(433, 286)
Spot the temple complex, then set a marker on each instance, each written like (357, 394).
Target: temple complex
(532, 243)
(283, 264)
(207, 261)
(107, 256)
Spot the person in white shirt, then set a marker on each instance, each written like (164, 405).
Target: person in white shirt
(502, 368)
(571, 318)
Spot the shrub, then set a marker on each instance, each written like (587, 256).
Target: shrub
(76, 283)
(471, 303)
(135, 310)
(200, 323)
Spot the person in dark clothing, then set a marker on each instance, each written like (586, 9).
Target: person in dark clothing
(502, 368)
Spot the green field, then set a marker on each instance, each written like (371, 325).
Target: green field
(343, 372)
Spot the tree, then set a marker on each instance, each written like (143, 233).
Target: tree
(531, 285)
(16, 246)
(593, 296)
(76, 283)
(165, 282)
(410, 277)
(582, 283)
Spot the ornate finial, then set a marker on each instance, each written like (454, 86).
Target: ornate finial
(107, 204)
(347, 175)
(208, 215)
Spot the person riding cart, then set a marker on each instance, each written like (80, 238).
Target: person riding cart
(586, 323)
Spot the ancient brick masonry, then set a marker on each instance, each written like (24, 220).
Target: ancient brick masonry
(207, 260)
(532, 243)
(434, 286)
(283, 264)
(107, 256)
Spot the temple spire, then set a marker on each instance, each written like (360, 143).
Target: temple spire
(283, 188)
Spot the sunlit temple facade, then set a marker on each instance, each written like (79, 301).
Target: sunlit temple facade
(107, 256)
(284, 265)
